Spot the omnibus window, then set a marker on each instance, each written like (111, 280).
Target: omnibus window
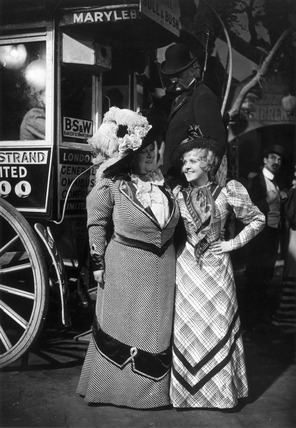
(76, 104)
(116, 91)
(22, 91)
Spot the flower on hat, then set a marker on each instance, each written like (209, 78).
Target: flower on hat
(121, 131)
(104, 142)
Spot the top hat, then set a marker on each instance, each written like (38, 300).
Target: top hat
(275, 148)
(177, 59)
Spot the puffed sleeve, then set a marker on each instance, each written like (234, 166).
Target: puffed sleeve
(99, 204)
(245, 211)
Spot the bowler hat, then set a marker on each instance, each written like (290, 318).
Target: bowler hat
(177, 59)
(275, 148)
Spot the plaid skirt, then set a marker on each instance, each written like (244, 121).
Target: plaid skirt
(208, 367)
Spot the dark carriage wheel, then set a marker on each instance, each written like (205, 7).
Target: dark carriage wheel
(23, 285)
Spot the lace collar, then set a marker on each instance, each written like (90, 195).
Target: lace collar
(153, 177)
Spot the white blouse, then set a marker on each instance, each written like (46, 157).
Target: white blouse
(150, 195)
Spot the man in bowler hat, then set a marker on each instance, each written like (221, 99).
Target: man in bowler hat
(263, 250)
(195, 104)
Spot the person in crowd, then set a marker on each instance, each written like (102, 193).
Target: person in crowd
(263, 251)
(132, 217)
(194, 103)
(33, 123)
(285, 316)
(208, 367)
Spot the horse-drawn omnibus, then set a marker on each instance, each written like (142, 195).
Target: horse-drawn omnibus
(62, 64)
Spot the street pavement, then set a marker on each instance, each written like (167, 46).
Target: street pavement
(39, 390)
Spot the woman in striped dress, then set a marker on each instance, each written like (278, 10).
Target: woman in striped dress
(208, 368)
(129, 356)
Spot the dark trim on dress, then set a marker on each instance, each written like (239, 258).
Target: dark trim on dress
(130, 242)
(147, 364)
(195, 388)
(194, 369)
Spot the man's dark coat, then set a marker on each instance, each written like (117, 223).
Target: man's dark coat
(198, 106)
(258, 192)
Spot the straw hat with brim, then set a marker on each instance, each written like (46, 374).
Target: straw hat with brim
(123, 165)
(177, 59)
(276, 148)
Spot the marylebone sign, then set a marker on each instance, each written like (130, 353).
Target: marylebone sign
(100, 15)
(165, 12)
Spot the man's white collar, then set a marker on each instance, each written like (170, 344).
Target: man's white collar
(268, 174)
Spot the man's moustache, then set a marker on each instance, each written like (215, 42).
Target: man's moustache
(178, 88)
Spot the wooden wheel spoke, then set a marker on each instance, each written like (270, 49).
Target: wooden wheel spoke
(15, 268)
(23, 284)
(8, 245)
(14, 315)
(4, 339)
(17, 292)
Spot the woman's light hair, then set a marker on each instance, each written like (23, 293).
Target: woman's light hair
(197, 140)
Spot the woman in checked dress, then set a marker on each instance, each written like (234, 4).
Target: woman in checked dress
(208, 368)
(129, 356)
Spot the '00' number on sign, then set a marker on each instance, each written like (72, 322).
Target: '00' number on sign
(22, 189)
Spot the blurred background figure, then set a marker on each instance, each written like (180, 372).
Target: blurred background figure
(33, 123)
(263, 250)
(285, 316)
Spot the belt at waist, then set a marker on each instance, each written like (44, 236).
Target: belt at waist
(147, 364)
(200, 248)
(129, 242)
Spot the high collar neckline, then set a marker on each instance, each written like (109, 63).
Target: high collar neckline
(268, 174)
(207, 184)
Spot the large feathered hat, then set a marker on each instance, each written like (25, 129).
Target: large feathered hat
(121, 132)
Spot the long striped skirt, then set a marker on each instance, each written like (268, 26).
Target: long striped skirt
(208, 368)
(136, 308)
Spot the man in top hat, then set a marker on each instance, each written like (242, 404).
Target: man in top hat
(195, 104)
(263, 250)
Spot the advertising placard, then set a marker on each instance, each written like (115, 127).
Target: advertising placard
(73, 163)
(164, 12)
(266, 109)
(77, 128)
(24, 177)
